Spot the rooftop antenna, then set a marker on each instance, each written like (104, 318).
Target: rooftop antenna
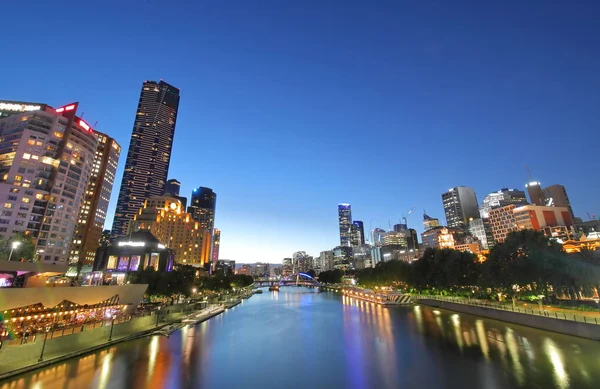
(528, 172)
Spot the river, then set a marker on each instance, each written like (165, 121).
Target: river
(299, 338)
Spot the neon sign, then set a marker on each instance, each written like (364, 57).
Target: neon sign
(19, 107)
(85, 125)
(132, 244)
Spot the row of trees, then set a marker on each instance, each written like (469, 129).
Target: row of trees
(182, 280)
(527, 264)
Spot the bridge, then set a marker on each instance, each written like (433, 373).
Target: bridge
(298, 279)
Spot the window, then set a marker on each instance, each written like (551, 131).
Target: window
(12, 198)
(26, 199)
(26, 156)
(8, 205)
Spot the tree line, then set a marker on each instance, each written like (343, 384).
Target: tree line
(526, 265)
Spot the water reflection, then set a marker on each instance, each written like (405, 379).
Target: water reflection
(350, 343)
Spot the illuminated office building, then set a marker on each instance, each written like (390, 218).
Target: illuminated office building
(501, 198)
(358, 236)
(149, 154)
(345, 223)
(430, 222)
(202, 207)
(556, 196)
(46, 160)
(92, 213)
(460, 205)
(536, 194)
(166, 219)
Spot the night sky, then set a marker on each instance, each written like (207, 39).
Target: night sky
(291, 107)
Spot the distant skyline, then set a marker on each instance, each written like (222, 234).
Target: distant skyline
(290, 108)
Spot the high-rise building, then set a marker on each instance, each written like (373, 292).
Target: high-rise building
(149, 154)
(501, 198)
(503, 222)
(556, 196)
(226, 266)
(342, 257)
(166, 219)
(172, 188)
(288, 267)
(359, 233)
(482, 230)
(92, 213)
(438, 237)
(302, 262)
(345, 221)
(9, 108)
(46, 160)
(429, 222)
(536, 195)
(216, 244)
(261, 269)
(202, 207)
(326, 260)
(460, 205)
(377, 236)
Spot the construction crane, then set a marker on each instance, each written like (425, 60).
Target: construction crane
(408, 214)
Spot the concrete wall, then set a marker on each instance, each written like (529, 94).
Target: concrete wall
(583, 330)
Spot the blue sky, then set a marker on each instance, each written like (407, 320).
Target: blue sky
(291, 107)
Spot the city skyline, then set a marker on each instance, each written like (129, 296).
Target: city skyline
(258, 108)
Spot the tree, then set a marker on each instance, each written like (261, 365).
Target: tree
(24, 252)
(331, 276)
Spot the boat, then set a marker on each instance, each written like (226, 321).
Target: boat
(258, 291)
(273, 288)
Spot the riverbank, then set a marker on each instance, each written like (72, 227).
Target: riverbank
(27, 357)
(587, 330)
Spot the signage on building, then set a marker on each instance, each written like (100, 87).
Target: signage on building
(9, 106)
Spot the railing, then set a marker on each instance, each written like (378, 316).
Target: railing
(510, 308)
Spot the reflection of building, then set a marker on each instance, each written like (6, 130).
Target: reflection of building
(165, 218)
(226, 266)
(556, 196)
(326, 260)
(460, 205)
(149, 153)
(430, 222)
(501, 198)
(92, 213)
(46, 160)
(137, 251)
(345, 221)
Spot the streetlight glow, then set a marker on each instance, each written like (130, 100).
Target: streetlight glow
(13, 246)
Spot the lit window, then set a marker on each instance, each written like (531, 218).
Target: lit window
(26, 156)
(31, 142)
(18, 177)
(26, 200)
(7, 205)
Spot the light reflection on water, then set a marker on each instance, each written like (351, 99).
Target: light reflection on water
(340, 342)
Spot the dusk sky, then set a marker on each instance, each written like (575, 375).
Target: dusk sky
(291, 107)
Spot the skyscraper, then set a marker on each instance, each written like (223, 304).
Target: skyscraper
(47, 157)
(149, 153)
(92, 213)
(203, 204)
(345, 221)
(359, 232)
(216, 244)
(556, 196)
(172, 188)
(536, 195)
(501, 198)
(460, 205)
(429, 222)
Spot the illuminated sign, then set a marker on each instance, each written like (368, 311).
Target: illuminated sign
(85, 125)
(132, 244)
(19, 107)
(161, 246)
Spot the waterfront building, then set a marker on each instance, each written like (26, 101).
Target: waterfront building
(501, 198)
(138, 251)
(202, 207)
(460, 205)
(165, 218)
(442, 237)
(46, 161)
(358, 237)
(326, 260)
(261, 270)
(345, 224)
(361, 257)
(92, 213)
(216, 244)
(482, 230)
(430, 222)
(341, 257)
(302, 262)
(503, 222)
(149, 154)
(536, 195)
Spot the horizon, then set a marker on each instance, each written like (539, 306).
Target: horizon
(382, 107)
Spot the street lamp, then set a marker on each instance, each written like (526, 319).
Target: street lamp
(13, 246)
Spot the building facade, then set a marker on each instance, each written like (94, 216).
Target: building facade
(556, 196)
(149, 154)
(501, 198)
(92, 214)
(482, 230)
(503, 222)
(46, 160)
(535, 192)
(429, 222)
(166, 219)
(345, 223)
(460, 205)
(358, 229)
(326, 260)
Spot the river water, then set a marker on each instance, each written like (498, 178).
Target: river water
(299, 338)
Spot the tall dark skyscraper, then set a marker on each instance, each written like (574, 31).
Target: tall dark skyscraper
(149, 154)
(359, 232)
(202, 207)
(345, 219)
(460, 205)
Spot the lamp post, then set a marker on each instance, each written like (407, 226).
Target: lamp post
(112, 324)
(13, 246)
